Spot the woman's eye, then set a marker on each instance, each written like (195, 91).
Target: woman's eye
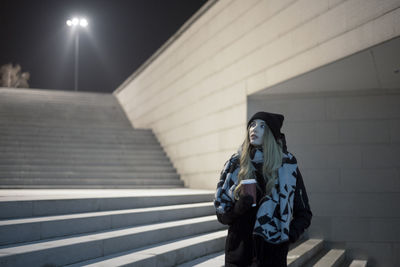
(262, 126)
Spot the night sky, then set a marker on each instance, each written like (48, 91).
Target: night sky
(122, 34)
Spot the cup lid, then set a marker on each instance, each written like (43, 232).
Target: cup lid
(249, 181)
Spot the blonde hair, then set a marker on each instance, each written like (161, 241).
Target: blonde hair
(272, 155)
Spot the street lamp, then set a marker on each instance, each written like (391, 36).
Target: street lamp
(77, 23)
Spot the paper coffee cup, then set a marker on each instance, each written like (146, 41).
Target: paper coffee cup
(249, 188)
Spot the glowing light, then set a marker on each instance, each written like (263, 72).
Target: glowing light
(75, 21)
(83, 22)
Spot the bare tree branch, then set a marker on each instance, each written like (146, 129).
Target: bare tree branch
(11, 76)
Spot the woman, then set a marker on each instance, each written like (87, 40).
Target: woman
(260, 235)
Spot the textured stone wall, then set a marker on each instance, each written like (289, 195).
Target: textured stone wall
(193, 94)
(348, 149)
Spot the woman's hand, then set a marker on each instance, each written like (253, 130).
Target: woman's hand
(243, 204)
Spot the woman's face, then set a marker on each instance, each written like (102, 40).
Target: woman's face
(256, 132)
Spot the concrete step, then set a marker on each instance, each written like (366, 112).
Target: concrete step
(65, 149)
(56, 138)
(147, 159)
(38, 128)
(87, 175)
(34, 203)
(117, 143)
(78, 100)
(57, 182)
(58, 114)
(39, 228)
(152, 156)
(64, 109)
(28, 134)
(92, 186)
(62, 251)
(76, 161)
(49, 96)
(82, 148)
(58, 108)
(358, 263)
(109, 122)
(215, 260)
(99, 139)
(334, 258)
(296, 257)
(108, 102)
(50, 99)
(86, 169)
(34, 110)
(90, 179)
(43, 141)
(170, 253)
(82, 161)
(30, 95)
(25, 104)
(302, 253)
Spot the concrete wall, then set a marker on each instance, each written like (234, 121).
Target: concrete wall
(193, 94)
(347, 145)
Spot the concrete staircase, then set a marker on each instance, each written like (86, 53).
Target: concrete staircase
(305, 253)
(64, 159)
(54, 139)
(107, 226)
(153, 227)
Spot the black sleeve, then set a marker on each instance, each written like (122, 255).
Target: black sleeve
(301, 210)
(240, 207)
(228, 217)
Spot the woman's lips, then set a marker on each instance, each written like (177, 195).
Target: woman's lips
(253, 136)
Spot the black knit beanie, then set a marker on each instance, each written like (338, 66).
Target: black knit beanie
(274, 122)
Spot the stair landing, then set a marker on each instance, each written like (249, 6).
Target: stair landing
(47, 194)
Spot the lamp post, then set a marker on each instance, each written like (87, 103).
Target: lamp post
(76, 23)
